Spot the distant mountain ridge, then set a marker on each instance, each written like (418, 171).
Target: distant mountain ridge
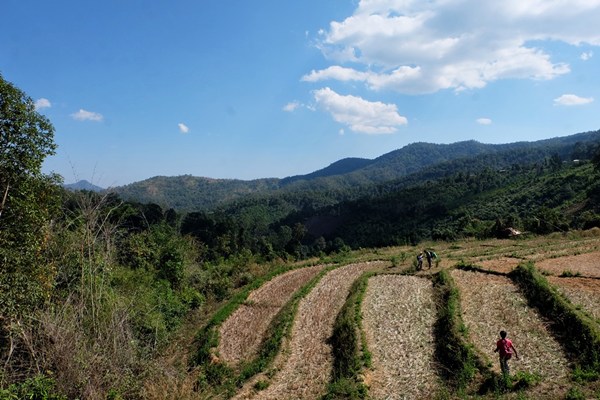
(428, 160)
(83, 185)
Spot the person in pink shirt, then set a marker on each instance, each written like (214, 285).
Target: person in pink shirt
(505, 349)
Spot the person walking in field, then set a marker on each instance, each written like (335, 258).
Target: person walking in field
(505, 350)
(430, 254)
(420, 261)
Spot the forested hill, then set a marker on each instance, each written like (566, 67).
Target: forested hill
(344, 178)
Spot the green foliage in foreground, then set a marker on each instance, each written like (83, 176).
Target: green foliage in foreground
(581, 334)
(40, 387)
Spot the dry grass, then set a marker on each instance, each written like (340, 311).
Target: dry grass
(491, 303)
(537, 249)
(307, 367)
(242, 333)
(399, 313)
(584, 264)
(584, 292)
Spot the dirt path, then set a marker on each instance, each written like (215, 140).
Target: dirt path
(398, 316)
(242, 333)
(492, 303)
(307, 367)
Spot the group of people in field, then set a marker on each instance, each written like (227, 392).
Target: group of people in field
(429, 254)
(504, 346)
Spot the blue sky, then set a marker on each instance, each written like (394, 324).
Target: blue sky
(272, 88)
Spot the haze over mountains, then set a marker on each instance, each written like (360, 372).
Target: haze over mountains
(412, 163)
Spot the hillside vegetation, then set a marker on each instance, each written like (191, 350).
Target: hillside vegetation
(105, 297)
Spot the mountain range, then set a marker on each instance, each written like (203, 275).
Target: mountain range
(345, 178)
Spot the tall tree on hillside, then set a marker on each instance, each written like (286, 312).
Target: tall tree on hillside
(27, 198)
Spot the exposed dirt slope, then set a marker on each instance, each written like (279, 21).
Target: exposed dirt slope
(307, 368)
(493, 303)
(242, 333)
(398, 316)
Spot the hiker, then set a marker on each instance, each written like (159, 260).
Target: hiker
(505, 349)
(420, 261)
(429, 256)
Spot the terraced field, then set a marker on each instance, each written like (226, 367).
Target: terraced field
(493, 303)
(398, 317)
(399, 313)
(242, 333)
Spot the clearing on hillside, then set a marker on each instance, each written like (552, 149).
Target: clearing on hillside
(491, 303)
(584, 292)
(242, 333)
(398, 317)
(308, 361)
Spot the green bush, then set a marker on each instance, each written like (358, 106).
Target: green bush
(40, 387)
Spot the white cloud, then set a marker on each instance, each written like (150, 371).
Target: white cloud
(572, 100)
(83, 115)
(484, 121)
(42, 103)
(291, 106)
(421, 47)
(183, 128)
(358, 114)
(586, 55)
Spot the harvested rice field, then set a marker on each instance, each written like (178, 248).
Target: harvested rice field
(398, 317)
(242, 333)
(582, 292)
(587, 265)
(491, 303)
(306, 370)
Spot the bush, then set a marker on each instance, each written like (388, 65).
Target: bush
(40, 387)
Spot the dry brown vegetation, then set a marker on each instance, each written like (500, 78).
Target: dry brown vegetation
(242, 333)
(584, 292)
(491, 303)
(398, 317)
(306, 370)
(583, 264)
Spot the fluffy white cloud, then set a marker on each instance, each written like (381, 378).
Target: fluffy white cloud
(289, 107)
(586, 55)
(42, 103)
(572, 100)
(83, 115)
(183, 128)
(484, 121)
(421, 47)
(359, 114)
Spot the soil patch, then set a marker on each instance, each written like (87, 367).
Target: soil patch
(584, 292)
(584, 264)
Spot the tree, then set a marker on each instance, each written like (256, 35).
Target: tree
(27, 198)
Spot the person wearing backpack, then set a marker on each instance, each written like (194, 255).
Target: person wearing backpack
(505, 349)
